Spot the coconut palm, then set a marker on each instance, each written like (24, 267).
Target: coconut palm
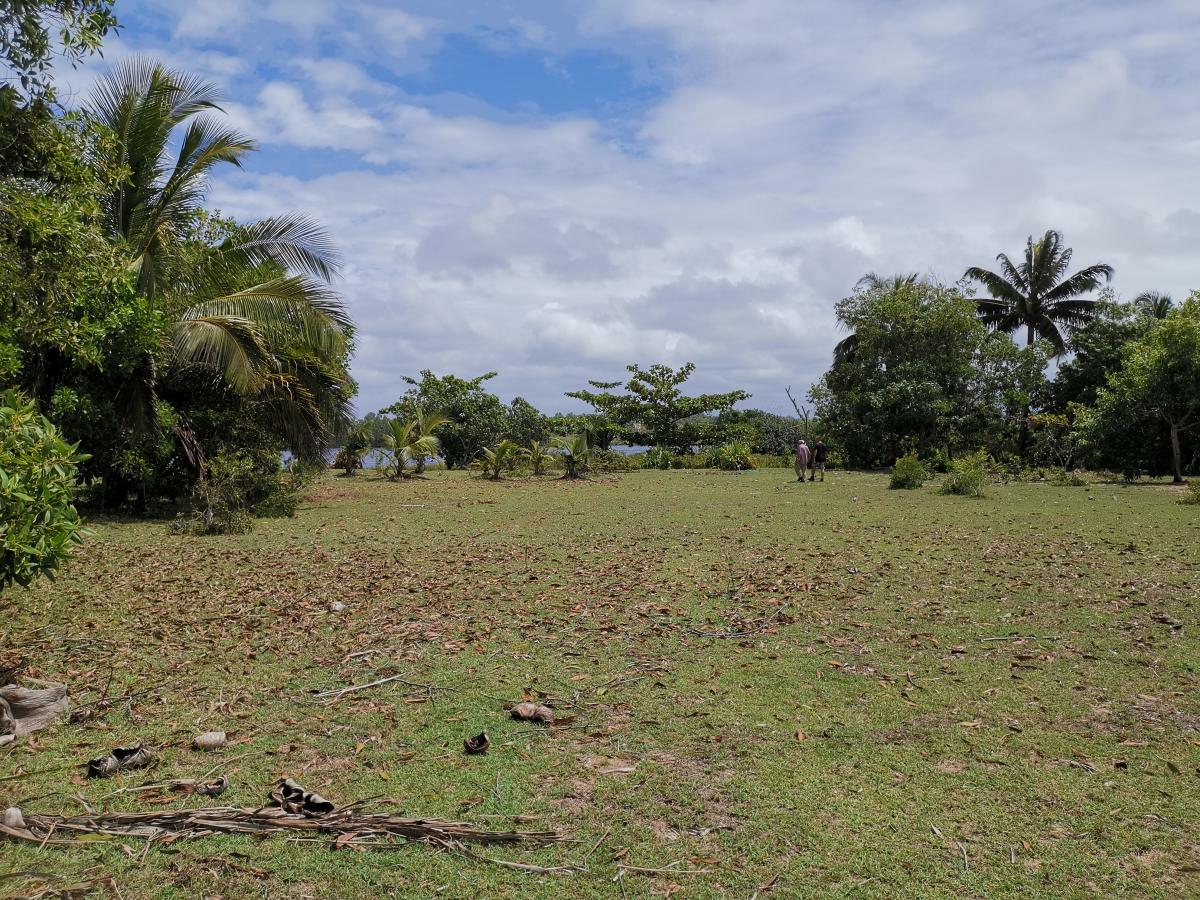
(255, 311)
(1037, 294)
(574, 453)
(539, 456)
(496, 459)
(412, 441)
(846, 348)
(1153, 304)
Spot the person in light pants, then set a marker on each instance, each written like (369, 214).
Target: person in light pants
(803, 454)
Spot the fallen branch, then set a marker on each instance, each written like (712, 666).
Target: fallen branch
(197, 823)
(762, 625)
(337, 693)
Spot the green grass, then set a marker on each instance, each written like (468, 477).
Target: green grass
(866, 723)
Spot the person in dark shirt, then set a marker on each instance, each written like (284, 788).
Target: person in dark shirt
(820, 453)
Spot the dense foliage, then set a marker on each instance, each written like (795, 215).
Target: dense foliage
(925, 373)
(182, 350)
(38, 522)
(475, 417)
(1154, 396)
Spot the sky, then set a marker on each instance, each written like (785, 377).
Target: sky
(553, 189)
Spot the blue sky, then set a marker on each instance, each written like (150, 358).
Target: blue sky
(555, 189)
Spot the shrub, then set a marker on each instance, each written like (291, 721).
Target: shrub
(239, 485)
(574, 453)
(940, 461)
(732, 457)
(38, 521)
(348, 460)
(967, 475)
(613, 461)
(908, 473)
(658, 458)
(1072, 478)
(1192, 496)
(771, 461)
(495, 460)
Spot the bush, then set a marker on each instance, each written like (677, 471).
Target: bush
(940, 461)
(967, 475)
(1072, 478)
(239, 485)
(348, 460)
(658, 458)
(1192, 496)
(772, 461)
(908, 473)
(38, 521)
(613, 461)
(732, 457)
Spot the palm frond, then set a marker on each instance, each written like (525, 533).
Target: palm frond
(1046, 330)
(1154, 304)
(1016, 276)
(230, 346)
(846, 349)
(1082, 282)
(296, 242)
(996, 285)
(289, 309)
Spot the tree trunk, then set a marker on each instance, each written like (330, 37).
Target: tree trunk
(1176, 453)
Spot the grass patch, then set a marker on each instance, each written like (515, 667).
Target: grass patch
(836, 689)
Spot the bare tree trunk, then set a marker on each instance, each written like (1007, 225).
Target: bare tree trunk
(1176, 453)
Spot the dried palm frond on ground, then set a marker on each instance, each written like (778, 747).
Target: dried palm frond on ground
(197, 823)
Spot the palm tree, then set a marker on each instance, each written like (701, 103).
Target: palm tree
(255, 312)
(846, 348)
(574, 454)
(539, 456)
(1037, 294)
(495, 459)
(412, 441)
(1153, 304)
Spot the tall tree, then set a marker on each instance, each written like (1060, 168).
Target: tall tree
(1038, 294)
(926, 375)
(654, 410)
(872, 281)
(1158, 386)
(255, 309)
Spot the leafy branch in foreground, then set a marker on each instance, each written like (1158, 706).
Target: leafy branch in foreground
(38, 522)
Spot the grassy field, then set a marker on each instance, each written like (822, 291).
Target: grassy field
(820, 690)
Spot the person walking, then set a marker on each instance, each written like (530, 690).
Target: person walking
(803, 455)
(820, 453)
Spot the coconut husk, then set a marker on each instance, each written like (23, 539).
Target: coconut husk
(25, 710)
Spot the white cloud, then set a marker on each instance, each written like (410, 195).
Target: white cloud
(794, 145)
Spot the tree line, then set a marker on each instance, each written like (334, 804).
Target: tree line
(931, 369)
